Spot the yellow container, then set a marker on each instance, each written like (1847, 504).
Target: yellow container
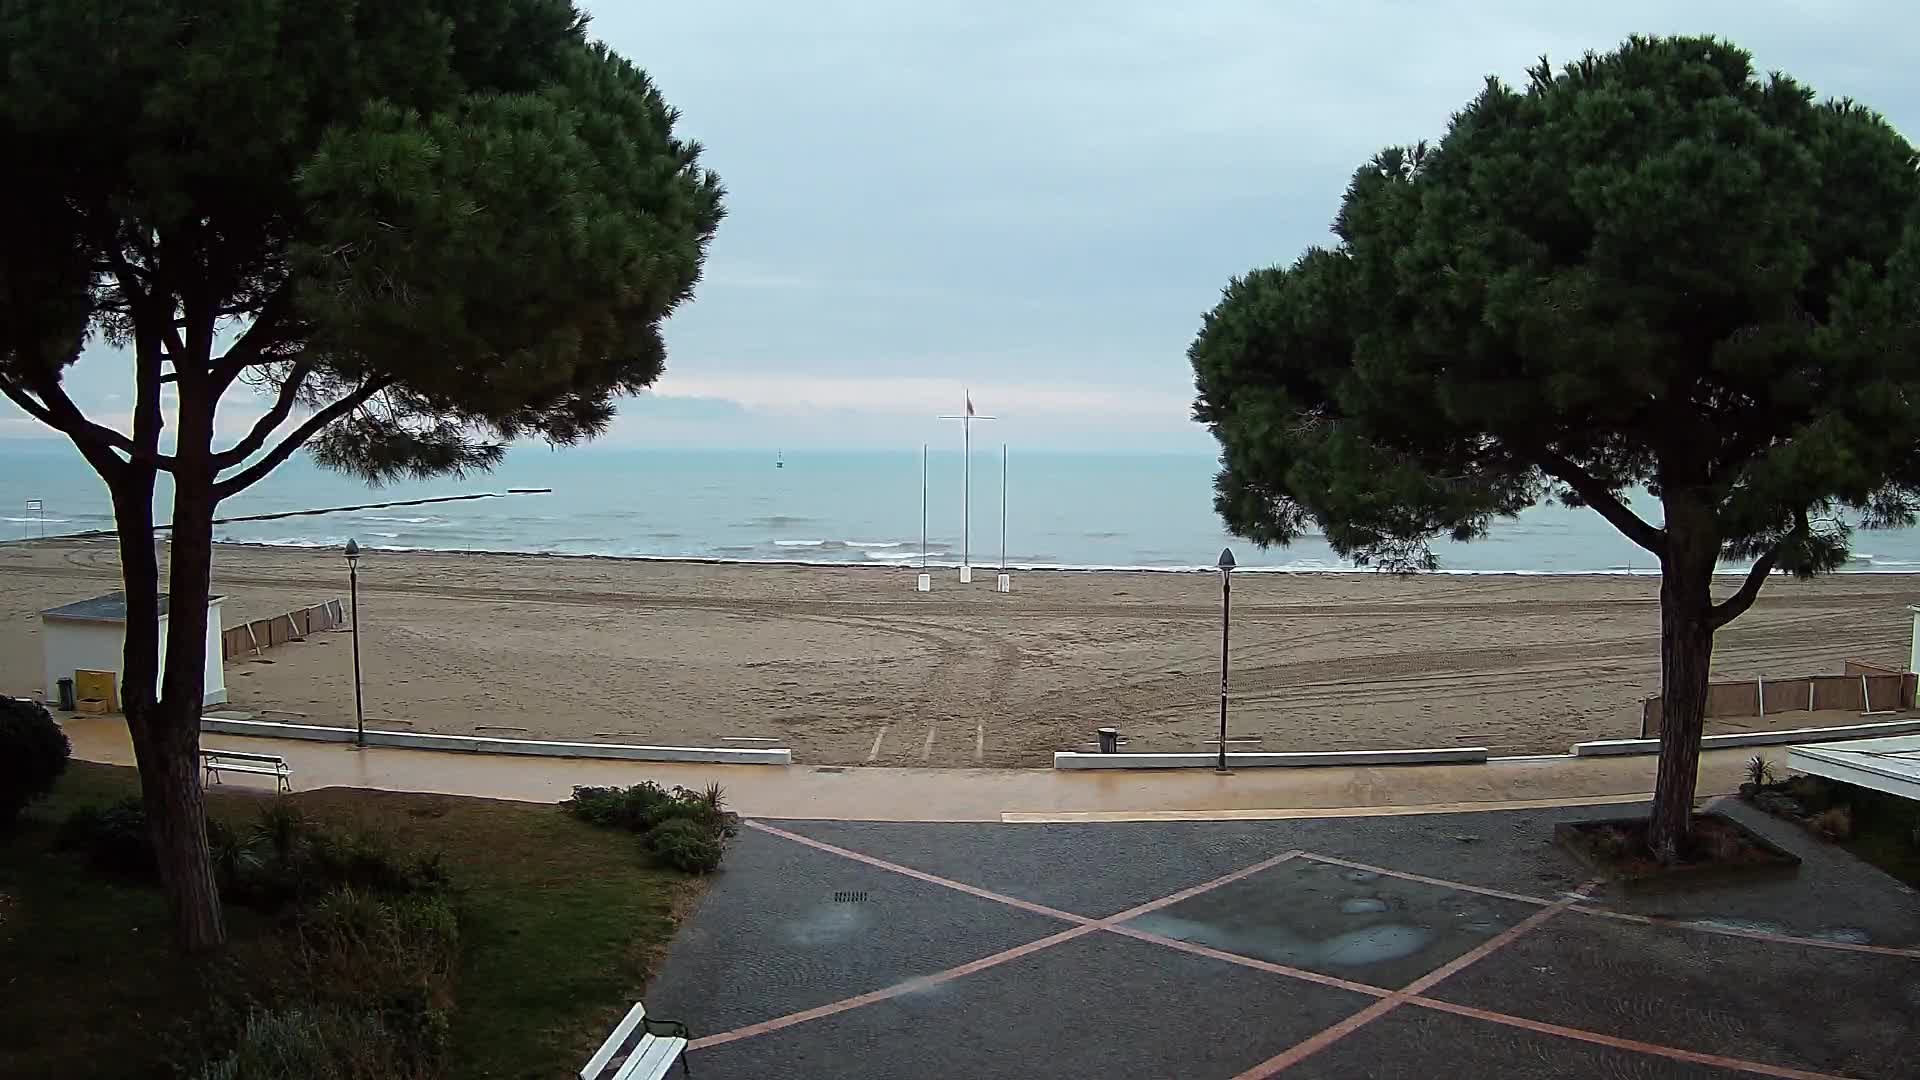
(97, 686)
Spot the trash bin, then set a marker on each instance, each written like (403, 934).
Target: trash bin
(1109, 740)
(66, 695)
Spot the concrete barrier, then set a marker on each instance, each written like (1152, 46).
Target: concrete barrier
(1451, 755)
(480, 744)
(1622, 747)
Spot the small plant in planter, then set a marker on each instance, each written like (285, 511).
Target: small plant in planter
(1759, 775)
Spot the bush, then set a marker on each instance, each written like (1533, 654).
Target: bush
(680, 828)
(114, 839)
(1834, 823)
(686, 845)
(33, 754)
(319, 1044)
(286, 859)
(355, 945)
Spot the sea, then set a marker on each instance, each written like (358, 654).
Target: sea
(1044, 510)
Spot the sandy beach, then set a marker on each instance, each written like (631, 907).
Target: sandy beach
(849, 666)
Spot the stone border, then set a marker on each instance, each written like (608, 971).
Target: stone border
(480, 744)
(1621, 747)
(1451, 755)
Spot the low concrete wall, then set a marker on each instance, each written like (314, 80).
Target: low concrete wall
(478, 744)
(1452, 755)
(1619, 747)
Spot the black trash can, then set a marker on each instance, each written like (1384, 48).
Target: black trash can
(66, 695)
(1109, 740)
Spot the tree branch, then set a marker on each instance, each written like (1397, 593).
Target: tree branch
(56, 410)
(1736, 605)
(1597, 495)
(252, 474)
(246, 351)
(266, 425)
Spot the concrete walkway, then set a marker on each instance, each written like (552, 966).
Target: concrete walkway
(853, 793)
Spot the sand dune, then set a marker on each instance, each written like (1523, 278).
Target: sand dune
(850, 665)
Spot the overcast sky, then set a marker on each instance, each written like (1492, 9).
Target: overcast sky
(1039, 201)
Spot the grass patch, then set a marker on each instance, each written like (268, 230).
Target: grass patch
(560, 926)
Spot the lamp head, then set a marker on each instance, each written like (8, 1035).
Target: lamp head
(1226, 559)
(353, 550)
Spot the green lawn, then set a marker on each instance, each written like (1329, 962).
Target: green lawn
(560, 927)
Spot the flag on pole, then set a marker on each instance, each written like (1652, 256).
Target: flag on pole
(969, 402)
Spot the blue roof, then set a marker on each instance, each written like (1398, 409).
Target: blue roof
(109, 608)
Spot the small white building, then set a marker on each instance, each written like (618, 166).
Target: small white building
(90, 635)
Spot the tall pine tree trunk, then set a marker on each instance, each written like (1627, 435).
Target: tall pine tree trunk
(165, 727)
(176, 807)
(1686, 660)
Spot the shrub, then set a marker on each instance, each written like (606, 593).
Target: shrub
(318, 1044)
(354, 944)
(1759, 771)
(1834, 823)
(237, 858)
(114, 839)
(33, 754)
(685, 844)
(644, 805)
(293, 860)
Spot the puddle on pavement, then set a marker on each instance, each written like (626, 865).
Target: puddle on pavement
(827, 925)
(1352, 923)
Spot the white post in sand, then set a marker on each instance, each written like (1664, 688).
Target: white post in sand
(966, 488)
(1004, 581)
(925, 582)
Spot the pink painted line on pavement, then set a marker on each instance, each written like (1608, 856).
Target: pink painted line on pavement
(1315, 1043)
(1247, 961)
(1442, 882)
(921, 875)
(1412, 994)
(1609, 913)
(1673, 1053)
(922, 982)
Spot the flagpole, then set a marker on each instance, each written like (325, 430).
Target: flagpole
(1003, 508)
(966, 483)
(923, 506)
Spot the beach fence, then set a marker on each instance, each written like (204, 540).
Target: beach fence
(256, 637)
(1862, 687)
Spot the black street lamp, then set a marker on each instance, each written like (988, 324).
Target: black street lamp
(1226, 621)
(353, 588)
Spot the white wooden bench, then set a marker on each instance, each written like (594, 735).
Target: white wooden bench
(650, 1056)
(216, 762)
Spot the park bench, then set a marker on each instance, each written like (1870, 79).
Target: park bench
(216, 762)
(648, 1057)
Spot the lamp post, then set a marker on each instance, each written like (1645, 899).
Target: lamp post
(1226, 621)
(353, 590)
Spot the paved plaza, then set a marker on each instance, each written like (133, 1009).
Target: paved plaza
(1457, 945)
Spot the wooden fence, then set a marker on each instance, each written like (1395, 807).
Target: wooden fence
(1864, 688)
(251, 639)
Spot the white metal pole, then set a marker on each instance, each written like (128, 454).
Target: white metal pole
(923, 506)
(1003, 508)
(966, 499)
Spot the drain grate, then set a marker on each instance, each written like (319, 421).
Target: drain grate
(850, 897)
